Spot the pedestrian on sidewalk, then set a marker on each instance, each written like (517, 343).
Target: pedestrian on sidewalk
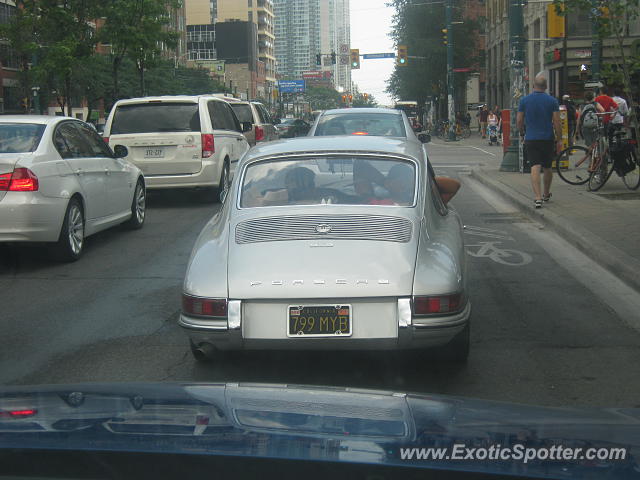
(622, 115)
(484, 115)
(539, 113)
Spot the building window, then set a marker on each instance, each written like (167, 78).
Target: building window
(6, 12)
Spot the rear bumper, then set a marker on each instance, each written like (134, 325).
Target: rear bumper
(411, 333)
(207, 177)
(31, 217)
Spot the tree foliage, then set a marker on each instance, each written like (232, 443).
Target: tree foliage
(419, 26)
(323, 98)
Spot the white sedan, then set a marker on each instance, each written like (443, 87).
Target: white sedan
(60, 182)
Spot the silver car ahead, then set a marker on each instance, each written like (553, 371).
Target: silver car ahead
(60, 182)
(330, 243)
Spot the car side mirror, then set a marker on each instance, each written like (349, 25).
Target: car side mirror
(246, 127)
(120, 151)
(424, 137)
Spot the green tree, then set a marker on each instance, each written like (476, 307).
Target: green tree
(364, 100)
(419, 26)
(612, 18)
(323, 98)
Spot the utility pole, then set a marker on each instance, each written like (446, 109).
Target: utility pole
(513, 156)
(450, 91)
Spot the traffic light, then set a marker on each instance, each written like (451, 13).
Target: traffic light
(445, 40)
(401, 57)
(344, 99)
(355, 59)
(365, 96)
(350, 98)
(318, 59)
(333, 58)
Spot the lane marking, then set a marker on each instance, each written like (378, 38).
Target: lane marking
(504, 256)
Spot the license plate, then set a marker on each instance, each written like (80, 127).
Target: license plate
(154, 153)
(319, 321)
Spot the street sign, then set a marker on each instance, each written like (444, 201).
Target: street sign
(291, 86)
(370, 56)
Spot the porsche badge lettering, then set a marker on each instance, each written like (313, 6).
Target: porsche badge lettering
(323, 228)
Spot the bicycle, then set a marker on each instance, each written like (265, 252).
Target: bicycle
(578, 165)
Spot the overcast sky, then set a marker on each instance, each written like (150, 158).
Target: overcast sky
(370, 27)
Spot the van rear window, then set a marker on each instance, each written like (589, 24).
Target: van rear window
(243, 112)
(156, 117)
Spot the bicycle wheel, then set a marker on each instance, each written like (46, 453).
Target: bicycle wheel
(632, 179)
(572, 165)
(599, 177)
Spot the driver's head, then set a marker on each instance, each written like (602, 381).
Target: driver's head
(299, 180)
(399, 183)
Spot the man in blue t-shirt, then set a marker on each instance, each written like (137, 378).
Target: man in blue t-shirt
(540, 114)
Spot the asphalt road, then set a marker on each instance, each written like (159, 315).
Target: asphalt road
(540, 335)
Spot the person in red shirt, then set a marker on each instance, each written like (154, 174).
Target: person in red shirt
(607, 103)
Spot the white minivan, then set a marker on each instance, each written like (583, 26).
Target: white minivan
(180, 141)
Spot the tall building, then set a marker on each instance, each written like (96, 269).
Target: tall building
(297, 29)
(261, 14)
(306, 28)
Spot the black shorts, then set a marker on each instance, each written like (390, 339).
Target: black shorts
(540, 152)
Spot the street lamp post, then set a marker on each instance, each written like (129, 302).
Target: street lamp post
(513, 156)
(450, 91)
(596, 43)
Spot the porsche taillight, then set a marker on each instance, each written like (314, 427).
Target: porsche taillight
(435, 304)
(204, 307)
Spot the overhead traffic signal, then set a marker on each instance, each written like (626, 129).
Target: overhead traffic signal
(355, 59)
(318, 59)
(365, 96)
(445, 38)
(401, 57)
(333, 58)
(344, 99)
(351, 98)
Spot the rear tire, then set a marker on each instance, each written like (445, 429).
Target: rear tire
(599, 177)
(214, 195)
(70, 244)
(138, 207)
(632, 179)
(578, 159)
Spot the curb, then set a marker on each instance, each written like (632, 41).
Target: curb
(611, 258)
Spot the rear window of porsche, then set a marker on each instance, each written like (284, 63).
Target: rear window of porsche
(156, 117)
(329, 180)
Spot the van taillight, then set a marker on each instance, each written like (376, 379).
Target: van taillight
(208, 147)
(259, 133)
(20, 180)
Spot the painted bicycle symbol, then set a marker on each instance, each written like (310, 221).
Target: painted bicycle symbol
(504, 256)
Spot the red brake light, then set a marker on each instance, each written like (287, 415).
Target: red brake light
(5, 180)
(106, 140)
(204, 307)
(18, 413)
(360, 133)
(259, 133)
(20, 180)
(208, 146)
(437, 304)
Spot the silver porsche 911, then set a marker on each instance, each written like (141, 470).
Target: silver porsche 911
(330, 243)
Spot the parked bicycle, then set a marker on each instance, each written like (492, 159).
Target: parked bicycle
(594, 165)
(441, 130)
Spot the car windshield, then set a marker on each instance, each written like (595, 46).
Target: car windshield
(20, 137)
(243, 112)
(329, 180)
(156, 117)
(378, 124)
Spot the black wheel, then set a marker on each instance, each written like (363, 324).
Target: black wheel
(70, 243)
(599, 176)
(457, 350)
(138, 207)
(572, 165)
(632, 179)
(215, 194)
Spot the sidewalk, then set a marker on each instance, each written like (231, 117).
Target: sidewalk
(605, 225)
